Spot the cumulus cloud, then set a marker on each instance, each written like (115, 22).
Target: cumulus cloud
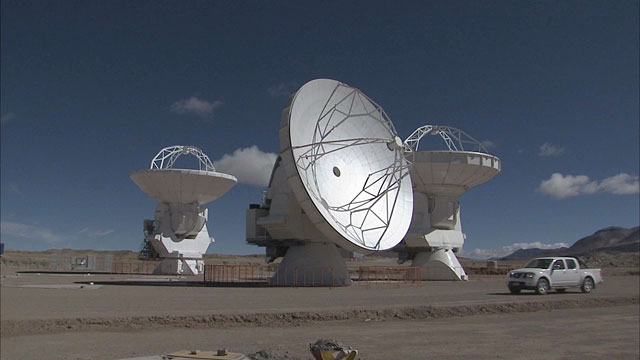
(621, 184)
(562, 186)
(8, 228)
(547, 149)
(250, 165)
(7, 117)
(509, 249)
(196, 106)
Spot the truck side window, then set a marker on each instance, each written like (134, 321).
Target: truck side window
(558, 265)
(571, 264)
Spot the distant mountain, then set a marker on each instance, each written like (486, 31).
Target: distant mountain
(611, 239)
(533, 252)
(634, 237)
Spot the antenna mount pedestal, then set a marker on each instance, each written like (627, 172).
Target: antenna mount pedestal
(312, 264)
(441, 264)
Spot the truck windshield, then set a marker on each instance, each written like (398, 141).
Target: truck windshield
(539, 264)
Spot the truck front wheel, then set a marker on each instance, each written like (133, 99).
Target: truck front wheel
(587, 285)
(543, 287)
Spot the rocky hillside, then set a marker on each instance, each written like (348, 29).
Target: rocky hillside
(609, 240)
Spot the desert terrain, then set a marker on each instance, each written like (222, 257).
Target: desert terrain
(117, 316)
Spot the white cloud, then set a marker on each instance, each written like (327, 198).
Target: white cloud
(621, 184)
(250, 165)
(7, 117)
(547, 149)
(8, 228)
(509, 249)
(282, 89)
(94, 233)
(562, 186)
(194, 105)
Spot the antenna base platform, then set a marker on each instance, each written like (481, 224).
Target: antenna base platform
(179, 266)
(312, 264)
(441, 264)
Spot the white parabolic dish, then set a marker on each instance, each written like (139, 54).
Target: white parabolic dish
(346, 166)
(183, 186)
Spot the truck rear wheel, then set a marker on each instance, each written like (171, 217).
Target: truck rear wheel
(587, 285)
(542, 287)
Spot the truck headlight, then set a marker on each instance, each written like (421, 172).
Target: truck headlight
(529, 275)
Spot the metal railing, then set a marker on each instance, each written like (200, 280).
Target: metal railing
(275, 275)
(272, 275)
(238, 273)
(308, 276)
(399, 275)
(142, 268)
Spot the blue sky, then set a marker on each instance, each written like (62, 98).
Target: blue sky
(91, 91)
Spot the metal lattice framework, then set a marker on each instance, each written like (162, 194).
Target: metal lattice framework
(381, 185)
(455, 139)
(168, 156)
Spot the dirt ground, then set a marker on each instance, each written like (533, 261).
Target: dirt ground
(65, 317)
(594, 333)
(106, 316)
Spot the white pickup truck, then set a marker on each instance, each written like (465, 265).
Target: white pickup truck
(558, 273)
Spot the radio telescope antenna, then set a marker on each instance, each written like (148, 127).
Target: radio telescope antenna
(439, 178)
(179, 232)
(343, 166)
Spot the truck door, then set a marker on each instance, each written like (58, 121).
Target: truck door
(559, 273)
(573, 275)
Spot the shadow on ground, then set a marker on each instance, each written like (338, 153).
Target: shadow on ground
(180, 283)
